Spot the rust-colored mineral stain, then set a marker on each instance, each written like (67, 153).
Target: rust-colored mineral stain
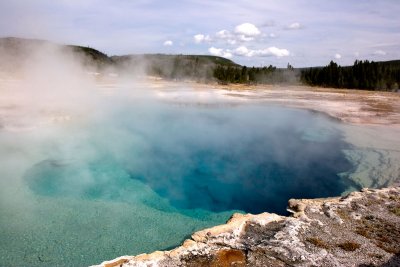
(116, 263)
(227, 258)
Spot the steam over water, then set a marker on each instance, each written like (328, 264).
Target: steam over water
(137, 176)
(93, 167)
(249, 158)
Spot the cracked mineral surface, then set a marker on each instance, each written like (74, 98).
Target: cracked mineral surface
(360, 229)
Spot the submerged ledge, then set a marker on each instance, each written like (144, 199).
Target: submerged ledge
(360, 228)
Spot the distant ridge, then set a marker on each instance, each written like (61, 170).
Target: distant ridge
(18, 49)
(14, 51)
(383, 75)
(193, 67)
(202, 59)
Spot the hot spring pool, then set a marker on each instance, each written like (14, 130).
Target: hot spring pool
(138, 177)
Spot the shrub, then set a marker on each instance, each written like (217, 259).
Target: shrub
(317, 242)
(349, 246)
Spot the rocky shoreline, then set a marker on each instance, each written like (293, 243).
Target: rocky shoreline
(360, 229)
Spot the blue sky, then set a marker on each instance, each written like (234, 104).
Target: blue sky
(254, 33)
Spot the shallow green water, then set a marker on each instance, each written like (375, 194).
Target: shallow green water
(138, 177)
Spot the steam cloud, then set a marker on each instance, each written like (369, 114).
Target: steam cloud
(73, 137)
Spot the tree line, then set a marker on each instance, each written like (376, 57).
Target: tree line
(255, 75)
(362, 75)
(366, 75)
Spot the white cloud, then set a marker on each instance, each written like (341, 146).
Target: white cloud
(376, 31)
(245, 38)
(338, 56)
(270, 51)
(272, 35)
(223, 34)
(200, 38)
(380, 53)
(247, 29)
(294, 26)
(274, 51)
(245, 32)
(226, 36)
(242, 51)
(168, 43)
(219, 52)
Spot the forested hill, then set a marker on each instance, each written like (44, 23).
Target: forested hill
(193, 67)
(362, 75)
(14, 52)
(366, 75)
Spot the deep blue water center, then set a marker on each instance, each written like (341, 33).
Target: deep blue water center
(251, 158)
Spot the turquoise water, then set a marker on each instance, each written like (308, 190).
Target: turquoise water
(137, 177)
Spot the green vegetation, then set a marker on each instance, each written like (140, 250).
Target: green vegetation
(91, 56)
(362, 75)
(178, 67)
(253, 75)
(15, 51)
